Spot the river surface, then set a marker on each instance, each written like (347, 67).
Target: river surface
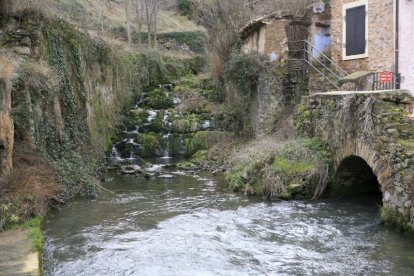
(192, 225)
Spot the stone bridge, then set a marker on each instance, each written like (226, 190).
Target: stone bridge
(371, 138)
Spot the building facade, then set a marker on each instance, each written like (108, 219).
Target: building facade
(406, 44)
(364, 36)
(266, 36)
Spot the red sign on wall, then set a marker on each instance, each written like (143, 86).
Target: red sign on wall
(385, 77)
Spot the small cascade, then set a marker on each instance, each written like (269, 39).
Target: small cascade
(166, 139)
(160, 125)
(115, 155)
(141, 100)
(152, 114)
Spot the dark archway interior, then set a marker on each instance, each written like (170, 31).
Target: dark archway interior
(354, 177)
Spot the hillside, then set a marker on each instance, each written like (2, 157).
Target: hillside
(88, 14)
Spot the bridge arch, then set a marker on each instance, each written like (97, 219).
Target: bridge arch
(354, 176)
(374, 130)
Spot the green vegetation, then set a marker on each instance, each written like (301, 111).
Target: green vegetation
(9, 215)
(395, 219)
(158, 100)
(281, 170)
(203, 140)
(195, 40)
(185, 7)
(245, 69)
(35, 233)
(150, 143)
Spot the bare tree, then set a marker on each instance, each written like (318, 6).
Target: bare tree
(223, 19)
(152, 8)
(139, 15)
(127, 5)
(105, 4)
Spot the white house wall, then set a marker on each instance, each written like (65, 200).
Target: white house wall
(407, 44)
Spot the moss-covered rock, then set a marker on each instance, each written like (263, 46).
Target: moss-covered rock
(158, 99)
(188, 123)
(296, 167)
(395, 219)
(203, 140)
(150, 143)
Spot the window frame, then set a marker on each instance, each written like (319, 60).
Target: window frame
(344, 10)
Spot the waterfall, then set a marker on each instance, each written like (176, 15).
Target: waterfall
(115, 155)
(167, 145)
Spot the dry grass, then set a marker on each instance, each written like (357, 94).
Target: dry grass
(40, 73)
(8, 67)
(345, 105)
(367, 114)
(257, 150)
(113, 14)
(31, 186)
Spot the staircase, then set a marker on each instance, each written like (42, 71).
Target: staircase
(323, 72)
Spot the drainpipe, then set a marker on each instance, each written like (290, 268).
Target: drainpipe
(397, 45)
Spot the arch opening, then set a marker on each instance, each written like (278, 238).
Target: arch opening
(354, 177)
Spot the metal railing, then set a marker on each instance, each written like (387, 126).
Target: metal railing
(385, 81)
(303, 51)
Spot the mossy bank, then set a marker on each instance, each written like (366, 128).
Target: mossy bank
(66, 94)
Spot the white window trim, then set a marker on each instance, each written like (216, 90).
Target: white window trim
(344, 8)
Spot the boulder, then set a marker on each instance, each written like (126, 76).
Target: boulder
(131, 169)
(295, 188)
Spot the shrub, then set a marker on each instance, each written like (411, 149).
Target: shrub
(157, 99)
(268, 167)
(245, 69)
(185, 7)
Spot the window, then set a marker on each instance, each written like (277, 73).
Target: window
(355, 30)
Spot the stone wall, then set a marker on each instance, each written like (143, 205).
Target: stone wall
(276, 40)
(406, 44)
(380, 37)
(270, 39)
(379, 128)
(255, 42)
(6, 129)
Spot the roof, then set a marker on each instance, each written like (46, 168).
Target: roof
(259, 22)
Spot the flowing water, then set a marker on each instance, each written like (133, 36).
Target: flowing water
(192, 225)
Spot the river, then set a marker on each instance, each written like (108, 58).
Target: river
(192, 225)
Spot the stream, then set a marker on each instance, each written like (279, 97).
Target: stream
(181, 224)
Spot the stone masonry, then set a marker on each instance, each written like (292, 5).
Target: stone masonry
(375, 126)
(380, 37)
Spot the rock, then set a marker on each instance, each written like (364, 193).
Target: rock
(387, 196)
(187, 166)
(384, 139)
(22, 50)
(299, 197)
(26, 42)
(285, 196)
(392, 132)
(295, 188)
(407, 204)
(245, 175)
(166, 176)
(131, 169)
(155, 168)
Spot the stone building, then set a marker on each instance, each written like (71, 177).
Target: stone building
(364, 37)
(267, 35)
(270, 35)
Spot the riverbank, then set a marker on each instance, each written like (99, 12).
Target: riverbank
(19, 251)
